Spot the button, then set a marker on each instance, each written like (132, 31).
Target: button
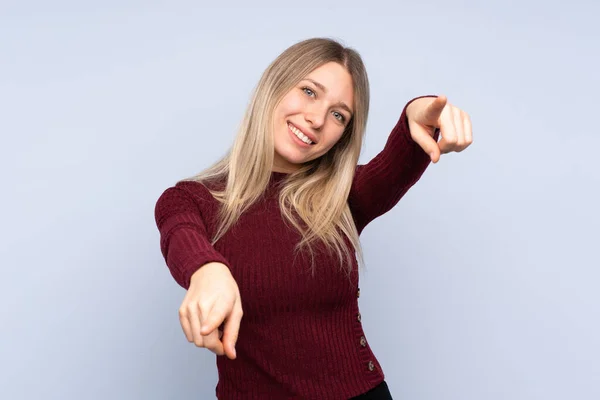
(358, 293)
(358, 317)
(363, 341)
(371, 366)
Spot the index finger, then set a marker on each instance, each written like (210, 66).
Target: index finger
(434, 110)
(231, 331)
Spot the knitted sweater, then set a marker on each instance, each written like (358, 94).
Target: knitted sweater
(301, 335)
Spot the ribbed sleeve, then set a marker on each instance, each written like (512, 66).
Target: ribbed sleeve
(380, 184)
(184, 240)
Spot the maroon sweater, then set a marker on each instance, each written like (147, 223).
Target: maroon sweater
(301, 335)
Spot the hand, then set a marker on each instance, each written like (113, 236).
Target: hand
(428, 113)
(212, 298)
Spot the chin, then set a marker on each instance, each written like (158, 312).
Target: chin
(292, 155)
(296, 161)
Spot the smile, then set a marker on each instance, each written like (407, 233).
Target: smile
(299, 134)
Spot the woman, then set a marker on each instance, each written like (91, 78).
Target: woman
(273, 228)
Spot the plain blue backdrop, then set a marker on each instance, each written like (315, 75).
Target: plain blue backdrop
(481, 284)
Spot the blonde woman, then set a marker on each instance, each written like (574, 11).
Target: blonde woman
(266, 241)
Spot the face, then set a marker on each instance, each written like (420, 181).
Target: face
(312, 117)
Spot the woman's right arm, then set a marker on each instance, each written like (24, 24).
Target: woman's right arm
(184, 240)
(212, 297)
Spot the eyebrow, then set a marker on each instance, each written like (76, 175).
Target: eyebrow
(341, 104)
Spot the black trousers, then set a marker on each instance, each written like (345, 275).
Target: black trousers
(379, 392)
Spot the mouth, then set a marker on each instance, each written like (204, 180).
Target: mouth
(309, 140)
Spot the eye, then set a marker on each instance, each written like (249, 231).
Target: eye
(339, 117)
(309, 91)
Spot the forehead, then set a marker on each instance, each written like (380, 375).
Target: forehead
(336, 80)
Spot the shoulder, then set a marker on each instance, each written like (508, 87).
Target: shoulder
(188, 195)
(200, 191)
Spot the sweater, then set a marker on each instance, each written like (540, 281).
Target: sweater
(301, 335)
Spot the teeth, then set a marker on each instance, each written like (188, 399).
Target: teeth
(300, 135)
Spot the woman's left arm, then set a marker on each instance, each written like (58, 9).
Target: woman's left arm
(411, 146)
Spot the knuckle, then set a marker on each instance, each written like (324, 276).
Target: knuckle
(203, 305)
(210, 345)
(453, 140)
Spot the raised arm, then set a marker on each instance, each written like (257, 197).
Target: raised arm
(411, 146)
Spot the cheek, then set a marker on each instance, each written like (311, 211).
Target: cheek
(332, 140)
(291, 104)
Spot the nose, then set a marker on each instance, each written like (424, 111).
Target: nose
(315, 117)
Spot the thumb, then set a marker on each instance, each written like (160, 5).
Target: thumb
(212, 320)
(423, 138)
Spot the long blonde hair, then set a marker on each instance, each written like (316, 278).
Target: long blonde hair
(317, 192)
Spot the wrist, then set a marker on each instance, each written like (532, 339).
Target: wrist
(211, 266)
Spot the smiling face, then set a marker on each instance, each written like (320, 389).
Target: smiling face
(311, 118)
